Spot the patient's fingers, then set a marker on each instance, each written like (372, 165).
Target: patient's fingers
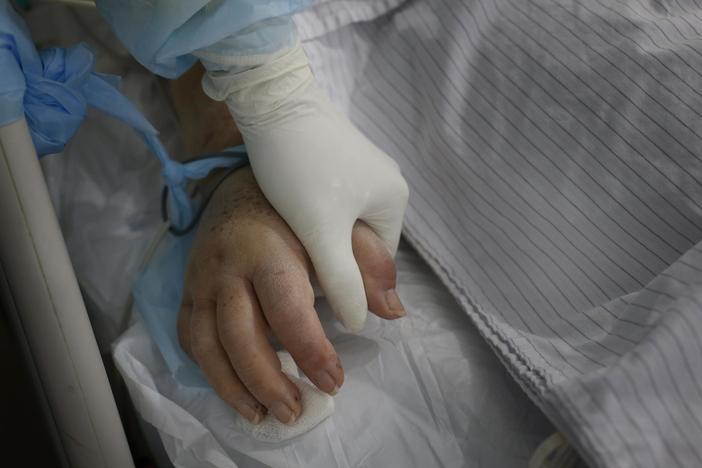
(378, 272)
(243, 333)
(212, 359)
(287, 301)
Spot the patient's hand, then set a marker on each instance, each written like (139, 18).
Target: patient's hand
(248, 279)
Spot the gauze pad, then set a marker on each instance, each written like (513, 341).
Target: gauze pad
(316, 407)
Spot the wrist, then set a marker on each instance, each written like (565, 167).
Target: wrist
(254, 95)
(206, 125)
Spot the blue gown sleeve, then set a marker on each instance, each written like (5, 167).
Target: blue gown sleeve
(163, 34)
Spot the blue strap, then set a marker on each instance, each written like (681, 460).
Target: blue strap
(52, 90)
(178, 175)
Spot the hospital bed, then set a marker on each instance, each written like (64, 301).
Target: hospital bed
(424, 391)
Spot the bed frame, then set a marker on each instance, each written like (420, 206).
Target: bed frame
(39, 290)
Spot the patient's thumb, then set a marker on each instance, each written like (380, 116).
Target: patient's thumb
(386, 210)
(338, 275)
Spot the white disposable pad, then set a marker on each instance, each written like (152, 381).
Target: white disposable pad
(421, 391)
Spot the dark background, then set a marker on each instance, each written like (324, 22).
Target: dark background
(24, 437)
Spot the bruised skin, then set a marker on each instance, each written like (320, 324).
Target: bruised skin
(248, 279)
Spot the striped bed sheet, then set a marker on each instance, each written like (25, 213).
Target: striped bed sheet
(553, 150)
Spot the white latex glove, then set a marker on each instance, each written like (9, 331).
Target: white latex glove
(316, 169)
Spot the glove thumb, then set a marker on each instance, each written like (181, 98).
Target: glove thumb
(338, 274)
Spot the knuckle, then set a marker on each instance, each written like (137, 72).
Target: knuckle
(211, 260)
(229, 336)
(264, 385)
(386, 271)
(230, 391)
(203, 347)
(203, 303)
(262, 388)
(228, 331)
(288, 288)
(315, 356)
(219, 253)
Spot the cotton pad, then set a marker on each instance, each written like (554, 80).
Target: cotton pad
(316, 407)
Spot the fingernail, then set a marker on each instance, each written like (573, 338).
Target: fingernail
(283, 412)
(394, 304)
(249, 411)
(327, 383)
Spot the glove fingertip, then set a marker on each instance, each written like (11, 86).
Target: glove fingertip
(354, 322)
(349, 309)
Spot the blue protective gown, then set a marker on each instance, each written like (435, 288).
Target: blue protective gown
(163, 35)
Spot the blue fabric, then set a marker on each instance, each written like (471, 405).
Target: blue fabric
(157, 295)
(17, 57)
(177, 175)
(163, 34)
(52, 90)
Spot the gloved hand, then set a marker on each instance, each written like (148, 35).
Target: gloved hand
(316, 169)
